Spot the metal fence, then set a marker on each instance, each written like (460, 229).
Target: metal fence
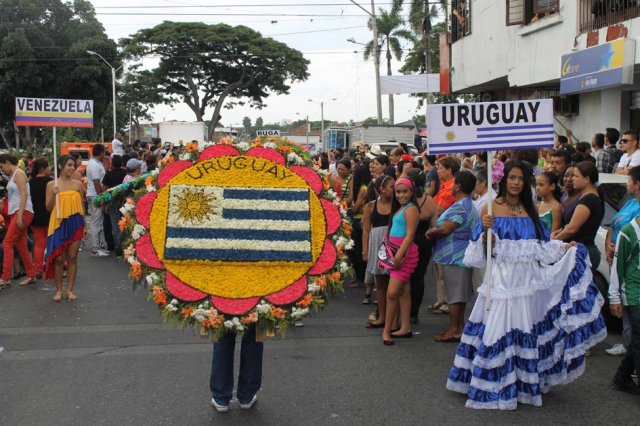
(596, 14)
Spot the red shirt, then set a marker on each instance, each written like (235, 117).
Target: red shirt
(444, 198)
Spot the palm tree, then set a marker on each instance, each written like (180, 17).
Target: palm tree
(420, 16)
(391, 31)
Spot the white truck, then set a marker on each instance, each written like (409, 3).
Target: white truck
(382, 135)
(183, 132)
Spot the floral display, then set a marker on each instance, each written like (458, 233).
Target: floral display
(234, 235)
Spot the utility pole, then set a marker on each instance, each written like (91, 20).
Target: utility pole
(376, 58)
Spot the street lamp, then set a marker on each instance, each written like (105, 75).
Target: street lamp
(376, 54)
(113, 81)
(322, 116)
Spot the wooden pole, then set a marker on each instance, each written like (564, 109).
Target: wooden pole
(488, 272)
(55, 169)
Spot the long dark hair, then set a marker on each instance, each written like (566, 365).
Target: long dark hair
(361, 176)
(419, 180)
(589, 169)
(526, 196)
(39, 164)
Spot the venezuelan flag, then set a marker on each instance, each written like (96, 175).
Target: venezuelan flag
(64, 230)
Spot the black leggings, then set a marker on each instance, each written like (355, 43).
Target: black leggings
(417, 278)
(359, 265)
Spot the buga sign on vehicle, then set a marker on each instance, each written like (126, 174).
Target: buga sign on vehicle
(38, 112)
(268, 133)
(490, 126)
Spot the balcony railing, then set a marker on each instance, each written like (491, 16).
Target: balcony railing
(596, 14)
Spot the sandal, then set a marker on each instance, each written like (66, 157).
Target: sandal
(71, 296)
(434, 306)
(5, 283)
(367, 299)
(28, 280)
(58, 296)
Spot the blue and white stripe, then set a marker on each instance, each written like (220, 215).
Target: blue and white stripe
(247, 225)
(494, 138)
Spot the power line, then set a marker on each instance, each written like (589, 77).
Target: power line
(217, 6)
(223, 14)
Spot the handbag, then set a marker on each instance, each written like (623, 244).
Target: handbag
(387, 254)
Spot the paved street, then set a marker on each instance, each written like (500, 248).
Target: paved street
(107, 359)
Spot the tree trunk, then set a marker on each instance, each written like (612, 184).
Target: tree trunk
(215, 117)
(391, 105)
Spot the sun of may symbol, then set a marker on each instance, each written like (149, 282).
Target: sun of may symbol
(451, 136)
(195, 205)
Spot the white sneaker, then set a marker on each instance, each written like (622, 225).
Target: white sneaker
(298, 323)
(616, 350)
(250, 404)
(99, 253)
(219, 407)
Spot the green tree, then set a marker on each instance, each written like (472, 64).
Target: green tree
(137, 94)
(211, 66)
(246, 123)
(43, 46)
(391, 32)
(259, 123)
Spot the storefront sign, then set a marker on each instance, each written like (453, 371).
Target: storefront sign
(38, 112)
(598, 67)
(267, 132)
(490, 126)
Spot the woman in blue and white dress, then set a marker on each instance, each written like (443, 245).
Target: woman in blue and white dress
(544, 309)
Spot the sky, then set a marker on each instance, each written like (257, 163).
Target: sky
(338, 76)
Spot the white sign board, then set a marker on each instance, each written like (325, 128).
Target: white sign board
(490, 126)
(268, 133)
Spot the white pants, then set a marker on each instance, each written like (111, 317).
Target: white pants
(96, 219)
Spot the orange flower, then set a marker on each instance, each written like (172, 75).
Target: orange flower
(278, 312)
(340, 249)
(168, 159)
(186, 312)
(285, 149)
(192, 147)
(159, 296)
(326, 183)
(129, 251)
(306, 300)
(148, 181)
(136, 270)
(321, 281)
(346, 226)
(250, 319)
(124, 222)
(335, 276)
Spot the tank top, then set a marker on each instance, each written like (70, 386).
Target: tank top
(547, 219)
(399, 224)
(359, 215)
(378, 220)
(13, 194)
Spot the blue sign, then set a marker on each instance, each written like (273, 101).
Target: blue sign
(598, 67)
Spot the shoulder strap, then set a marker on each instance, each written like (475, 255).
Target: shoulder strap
(636, 228)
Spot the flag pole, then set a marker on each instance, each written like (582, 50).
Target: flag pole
(488, 272)
(55, 169)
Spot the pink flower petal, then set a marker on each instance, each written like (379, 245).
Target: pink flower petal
(266, 153)
(146, 253)
(310, 176)
(217, 151)
(326, 260)
(290, 294)
(182, 291)
(234, 306)
(143, 208)
(171, 171)
(332, 213)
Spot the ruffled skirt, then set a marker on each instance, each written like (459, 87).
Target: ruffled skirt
(542, 320)
(376, 237)
(409, 262)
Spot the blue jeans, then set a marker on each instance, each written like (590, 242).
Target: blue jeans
(631, 361)
(250, 378)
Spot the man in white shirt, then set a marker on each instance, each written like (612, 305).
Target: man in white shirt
(95, 173)
(117, 147)
(631, 156)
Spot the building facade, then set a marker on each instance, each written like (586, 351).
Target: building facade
(568, 50)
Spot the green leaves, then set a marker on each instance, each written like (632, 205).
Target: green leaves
(203, 65)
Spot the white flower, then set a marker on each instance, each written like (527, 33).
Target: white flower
(200, 318)
(151, 188)
(171, 308)
(299, 312)
(229, 324)
(263, 308)
(127, 208)
(270, 145)
(294, 158)
(174, 302)
(152, 278)
(185, 156)
(131, 260)
(313, 288)
(344, 267)
(349, 245)
(332, 194)
(138, 231)
(155, 172)
(243, 146)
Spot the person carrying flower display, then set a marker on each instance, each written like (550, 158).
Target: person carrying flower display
(66, 227)
(531, 328)
(402, 229)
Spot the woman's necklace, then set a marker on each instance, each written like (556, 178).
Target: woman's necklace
(514, 208)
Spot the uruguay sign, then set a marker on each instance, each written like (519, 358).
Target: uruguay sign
(38, 112)
(605, 65)
(490, 126)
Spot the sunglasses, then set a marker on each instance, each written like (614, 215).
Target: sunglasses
(626, 140)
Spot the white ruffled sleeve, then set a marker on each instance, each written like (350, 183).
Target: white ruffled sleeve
(475, 256)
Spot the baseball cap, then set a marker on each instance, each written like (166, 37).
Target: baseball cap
(133, 164)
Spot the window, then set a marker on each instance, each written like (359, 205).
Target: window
(461, 19)
(567, 106)
(595, 14)
(522, 12)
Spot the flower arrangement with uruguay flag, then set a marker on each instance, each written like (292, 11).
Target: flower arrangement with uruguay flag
(233, 235)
